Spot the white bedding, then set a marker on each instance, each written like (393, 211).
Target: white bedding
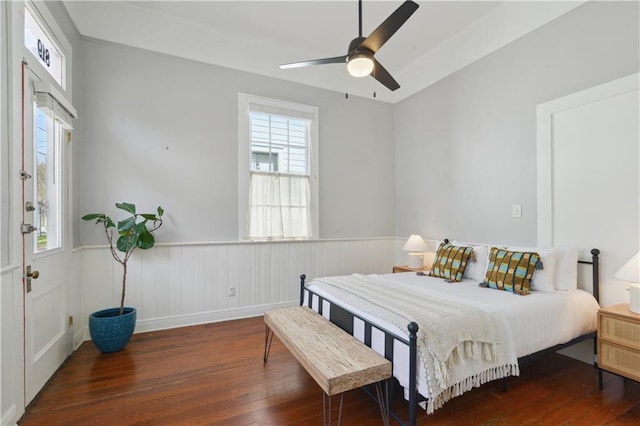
(539, 320)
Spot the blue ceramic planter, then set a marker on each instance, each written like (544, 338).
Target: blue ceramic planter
(111, 332)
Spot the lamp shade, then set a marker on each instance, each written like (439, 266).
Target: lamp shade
(415, 244)
(631, 270)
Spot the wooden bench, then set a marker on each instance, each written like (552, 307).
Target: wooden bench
(337, 361)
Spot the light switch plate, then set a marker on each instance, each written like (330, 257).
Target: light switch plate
(516, 210)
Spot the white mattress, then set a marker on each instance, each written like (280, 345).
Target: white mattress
(539, 320)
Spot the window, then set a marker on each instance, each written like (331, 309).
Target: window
(264, 161)
(44, 48)
(47, 188)
(52, 124)
(278, 169)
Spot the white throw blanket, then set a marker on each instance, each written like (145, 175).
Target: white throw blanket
(461, 345)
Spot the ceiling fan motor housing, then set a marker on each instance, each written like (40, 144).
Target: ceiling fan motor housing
(359, 58)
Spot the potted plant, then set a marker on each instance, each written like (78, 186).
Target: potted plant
(112, 328)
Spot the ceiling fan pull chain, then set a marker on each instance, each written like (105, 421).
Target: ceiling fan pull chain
(346, 87)
(374, 82)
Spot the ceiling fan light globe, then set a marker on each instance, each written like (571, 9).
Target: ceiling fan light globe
(360, 65)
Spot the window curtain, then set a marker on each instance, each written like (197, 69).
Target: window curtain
(279, 207)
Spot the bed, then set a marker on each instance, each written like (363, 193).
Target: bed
(395, 322)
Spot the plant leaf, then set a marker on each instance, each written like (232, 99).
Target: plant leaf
(145, 238)
(124, 243)
(160, 211)
(128, 207)
(149, 216)
(126, 225)
(93, 216)
(109, 223)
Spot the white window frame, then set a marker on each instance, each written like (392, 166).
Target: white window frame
(42, 15)
(244, 156)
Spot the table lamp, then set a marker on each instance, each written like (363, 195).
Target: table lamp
(631, 272)
(416, 247)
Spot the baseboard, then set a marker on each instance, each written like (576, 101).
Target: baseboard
(10, 418)
(165, 323)
(78, 338)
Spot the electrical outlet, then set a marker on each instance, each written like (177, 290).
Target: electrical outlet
(232, 291)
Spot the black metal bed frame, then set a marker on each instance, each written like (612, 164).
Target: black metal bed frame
(343, 318)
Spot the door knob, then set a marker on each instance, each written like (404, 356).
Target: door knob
(30, 275)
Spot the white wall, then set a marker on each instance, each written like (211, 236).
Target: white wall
(465, 148)
(163, 130)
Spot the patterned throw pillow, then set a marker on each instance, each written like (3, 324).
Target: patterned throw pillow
(450, 261)
(511, 270)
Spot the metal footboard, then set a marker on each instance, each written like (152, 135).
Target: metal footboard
(344, 319)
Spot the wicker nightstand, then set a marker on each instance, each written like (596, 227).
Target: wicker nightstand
(618, 342)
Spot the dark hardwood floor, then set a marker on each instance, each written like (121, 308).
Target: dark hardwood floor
(213, 374)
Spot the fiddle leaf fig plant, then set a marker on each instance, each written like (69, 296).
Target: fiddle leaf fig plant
(133, 232)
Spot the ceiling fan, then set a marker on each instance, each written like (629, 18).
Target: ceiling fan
(359, 58)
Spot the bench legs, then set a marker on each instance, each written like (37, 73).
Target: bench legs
(383, 399)
(328, 411)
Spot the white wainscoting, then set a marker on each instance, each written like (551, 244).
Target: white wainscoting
(11, 356)
(175, 285)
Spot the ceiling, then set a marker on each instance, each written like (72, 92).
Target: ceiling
(256, 36)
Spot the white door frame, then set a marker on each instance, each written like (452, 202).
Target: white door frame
(545, 135)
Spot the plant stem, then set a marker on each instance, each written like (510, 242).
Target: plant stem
(124, 281)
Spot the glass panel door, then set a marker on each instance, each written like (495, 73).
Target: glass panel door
(47, 218)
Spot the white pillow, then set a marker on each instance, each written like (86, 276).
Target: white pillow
(542, 279)
(476, 270)
(566, 277)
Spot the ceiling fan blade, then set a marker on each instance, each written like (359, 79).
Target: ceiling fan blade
(383, 76)
(388, 28)
(334, 60)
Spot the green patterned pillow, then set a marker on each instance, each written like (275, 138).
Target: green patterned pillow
(511, 270)
(450, 261)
